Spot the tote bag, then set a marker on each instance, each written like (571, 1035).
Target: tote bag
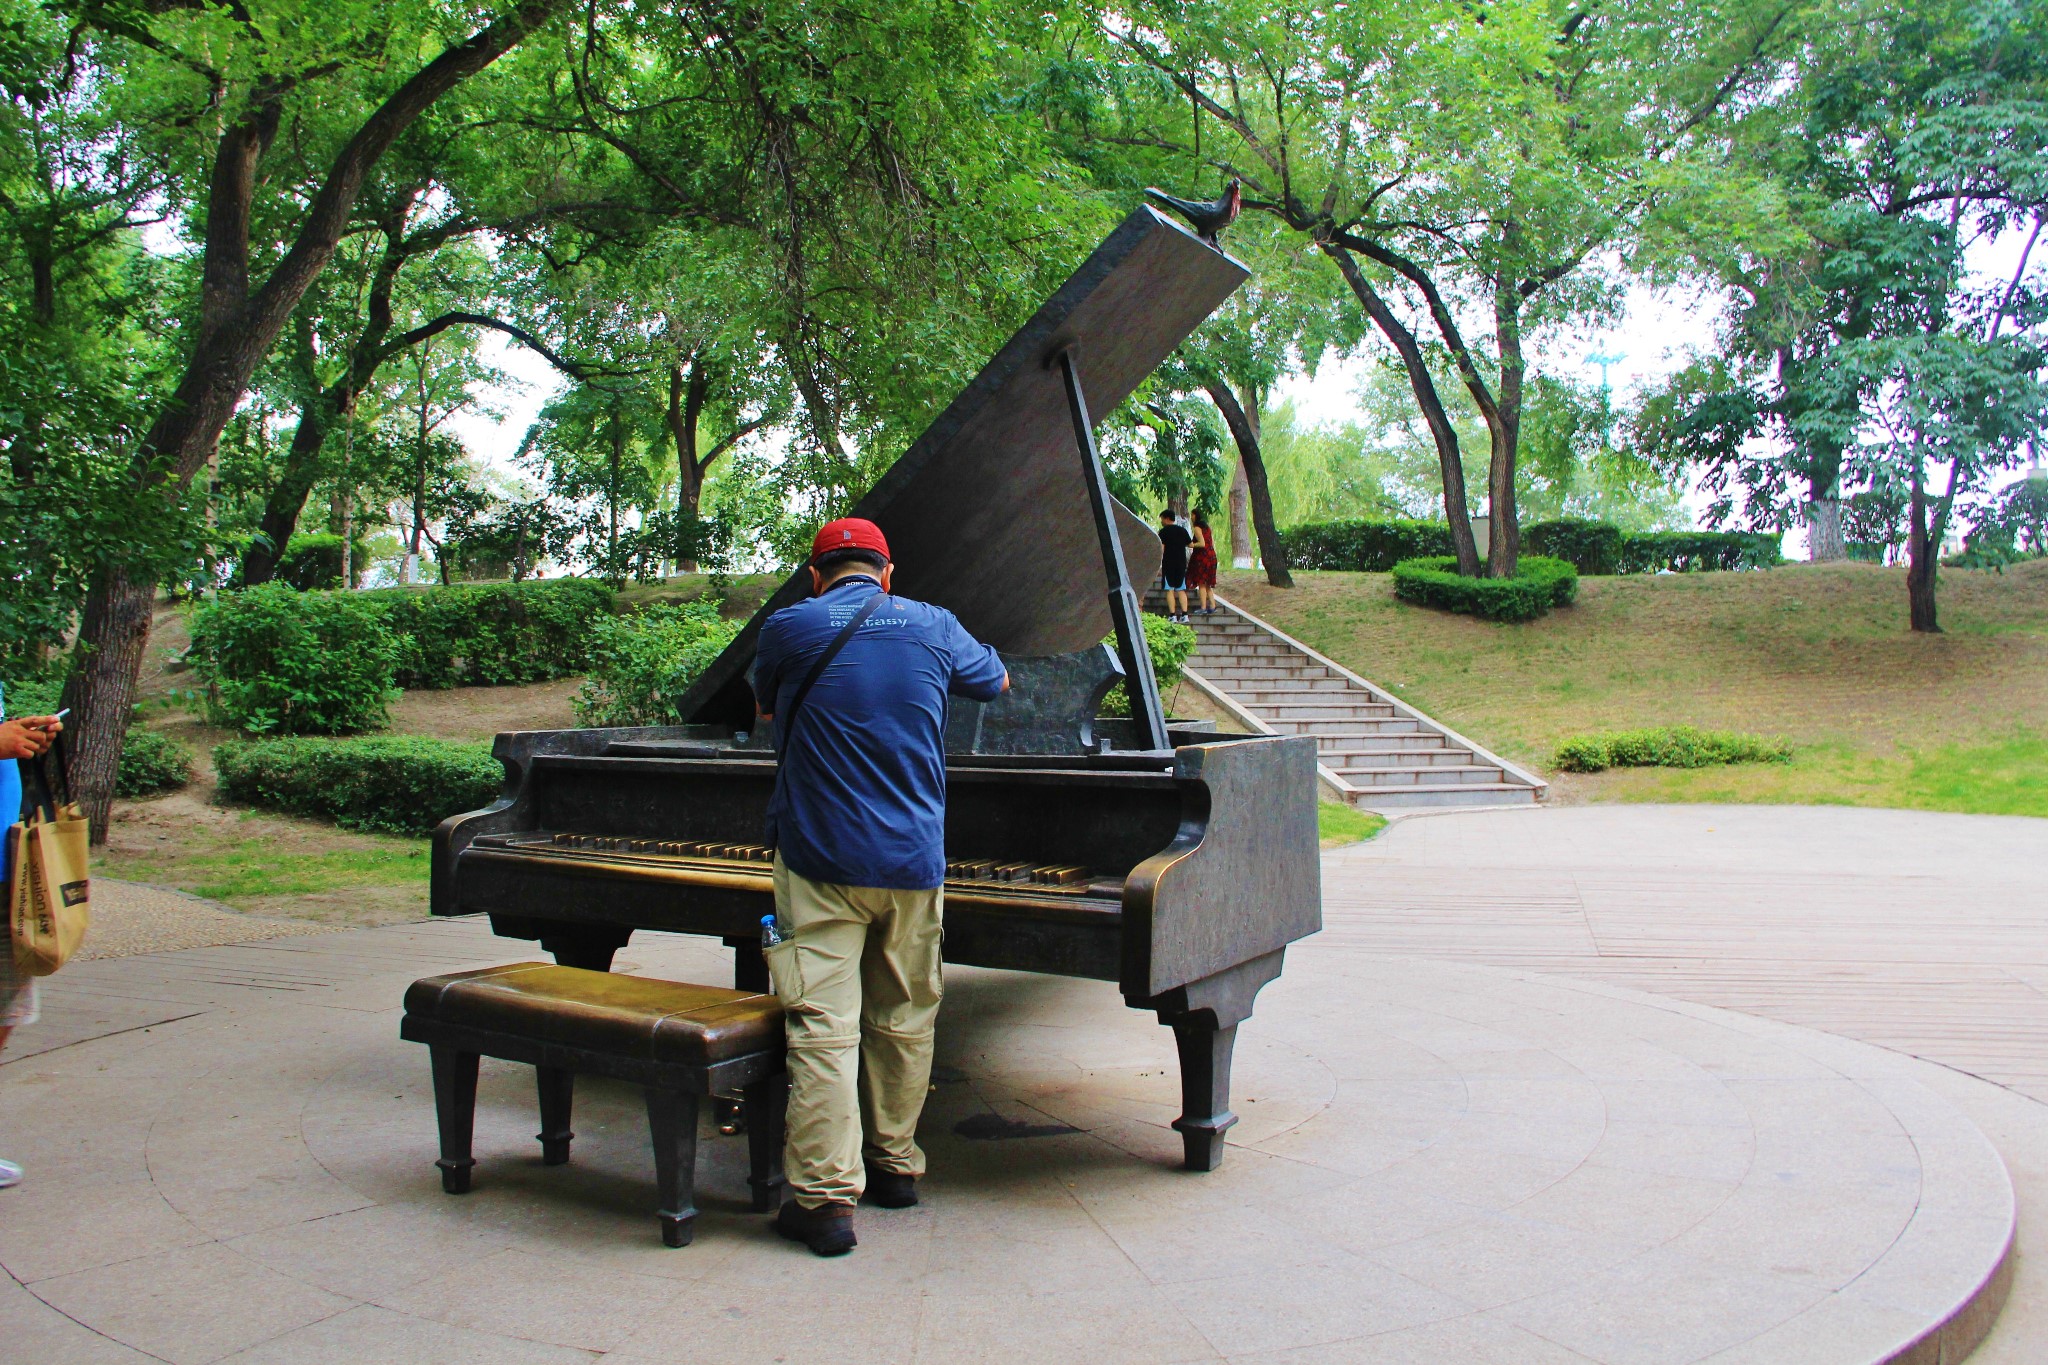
(50, 901)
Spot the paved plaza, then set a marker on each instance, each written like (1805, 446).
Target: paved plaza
(1469, 1133)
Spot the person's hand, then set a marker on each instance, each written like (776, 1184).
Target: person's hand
(28, 736)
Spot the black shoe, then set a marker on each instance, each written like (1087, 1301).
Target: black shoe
(891, 1190)
(827, 1229)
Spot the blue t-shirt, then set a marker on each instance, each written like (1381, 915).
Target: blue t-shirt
(861, 797)
(10, 799)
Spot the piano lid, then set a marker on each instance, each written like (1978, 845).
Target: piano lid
(986, 513)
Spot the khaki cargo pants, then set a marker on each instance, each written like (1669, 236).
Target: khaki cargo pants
(859, 977)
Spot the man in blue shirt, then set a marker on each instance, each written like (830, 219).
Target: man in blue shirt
(858, 821)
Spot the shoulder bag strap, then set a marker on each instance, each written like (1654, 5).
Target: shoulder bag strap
(803, 689)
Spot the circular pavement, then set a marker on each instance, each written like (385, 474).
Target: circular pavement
(1436, 1162)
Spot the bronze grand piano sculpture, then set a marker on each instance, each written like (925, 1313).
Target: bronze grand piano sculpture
(1175, 862)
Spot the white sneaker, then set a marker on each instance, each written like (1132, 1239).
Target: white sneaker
(10, 1174)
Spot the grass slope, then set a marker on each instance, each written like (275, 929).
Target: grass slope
(1819, 654)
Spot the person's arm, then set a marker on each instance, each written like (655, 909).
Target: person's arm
(978, 672)
(767, 675)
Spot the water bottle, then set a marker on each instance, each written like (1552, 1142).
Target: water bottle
(771, 932)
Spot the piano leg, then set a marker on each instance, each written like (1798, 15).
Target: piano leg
(1205, 1114)
(589, 946)
(749, 968)
(1204, 1016)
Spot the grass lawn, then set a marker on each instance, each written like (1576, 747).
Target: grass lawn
(1819, 654)
(1340, 825)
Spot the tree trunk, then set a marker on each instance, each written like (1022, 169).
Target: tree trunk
(1242, 554)
(101, 689)
(1427, 400)
(685, 407)
(1824, 523)
(235, 329)
(1271, 548)
(287, 501)
(1504, 531)
(1923, 556)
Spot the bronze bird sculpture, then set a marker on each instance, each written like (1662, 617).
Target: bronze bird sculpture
(1209, 219)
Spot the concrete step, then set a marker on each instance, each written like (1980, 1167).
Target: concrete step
(1478, 794)
(1342, 709)
(1294, 687)
(1418, 759)
(1353, 728)
(1406, 779)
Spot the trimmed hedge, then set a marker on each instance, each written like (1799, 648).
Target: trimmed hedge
(1594, 547)
(1697, 551)
(1364, 546)
(1669, 746)
(1539, 584)
(493, 634)
(151, 763)
(280, 661)
(387, 783)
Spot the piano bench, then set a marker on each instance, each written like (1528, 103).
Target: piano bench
(679, 1041)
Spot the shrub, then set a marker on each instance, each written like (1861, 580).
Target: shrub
(1539, 584)
(1364, 546)
(641, 665)
(1588, 546)
(1696, 551)
(389, 783)
(1671, 746)
(494, 634)
(1169, 643)
(279, 661)
(150, 763)
(314, 561)
(35, 697)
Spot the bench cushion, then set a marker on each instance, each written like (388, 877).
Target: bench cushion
(672, 1022)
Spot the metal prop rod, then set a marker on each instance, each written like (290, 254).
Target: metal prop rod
(1131, 649)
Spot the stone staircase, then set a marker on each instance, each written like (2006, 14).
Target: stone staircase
(1374, 750)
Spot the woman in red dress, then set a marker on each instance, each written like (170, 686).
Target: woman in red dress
(1202, 564)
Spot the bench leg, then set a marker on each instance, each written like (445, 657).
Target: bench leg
(557, 1098)
(767, 1101)
(455, 1107)
(672, 1119)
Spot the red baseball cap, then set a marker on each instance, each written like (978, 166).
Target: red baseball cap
(849, 533)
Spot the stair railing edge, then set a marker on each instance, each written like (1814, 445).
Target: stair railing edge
(1516, 770)
(1325, 774)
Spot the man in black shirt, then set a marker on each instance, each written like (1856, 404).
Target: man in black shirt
(1173, 564)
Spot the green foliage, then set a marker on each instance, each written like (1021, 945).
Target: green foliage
(1595, 547)
(1694, 551)
(279, 661)
(32, 697)
(388, 783)
(151, 762)
(313, 561)
(492, 634)
(1169, 643)
(1364, 546)
(1592, 547)
(1670, 746)
(1539, 584)
(641, 665)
